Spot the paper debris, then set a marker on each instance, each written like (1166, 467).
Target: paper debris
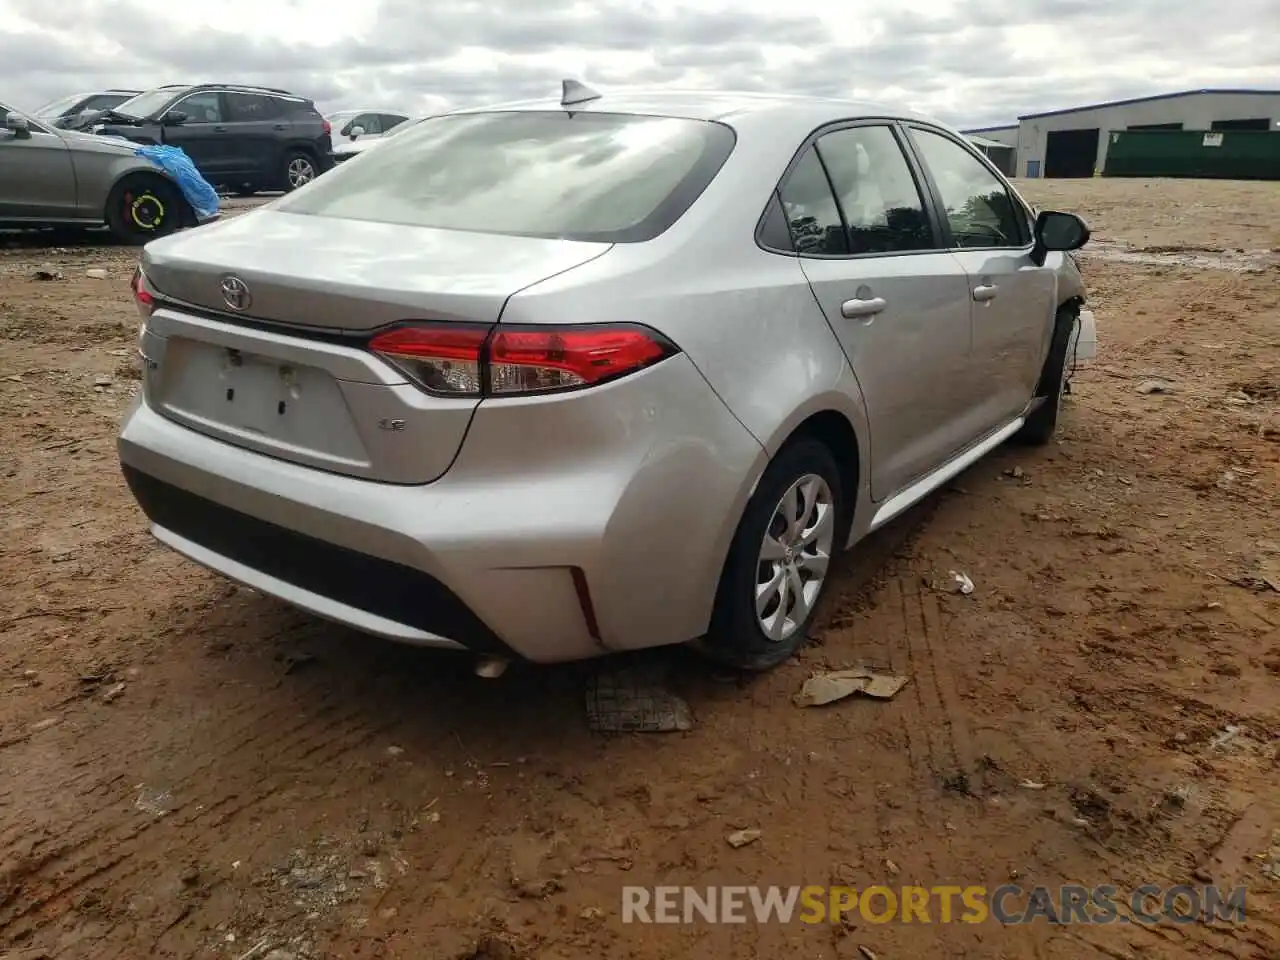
(824, 688)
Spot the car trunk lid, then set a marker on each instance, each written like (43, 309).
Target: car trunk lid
(353, 276)
(288, 374)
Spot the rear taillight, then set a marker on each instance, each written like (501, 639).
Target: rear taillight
(143, 297)
(328, 128)
(442, 359)
(457, 359)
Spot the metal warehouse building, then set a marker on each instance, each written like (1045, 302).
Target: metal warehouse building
(1073, 143)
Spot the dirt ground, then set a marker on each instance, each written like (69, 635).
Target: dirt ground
(190, 770)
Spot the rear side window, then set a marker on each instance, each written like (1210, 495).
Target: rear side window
(614, 178)
(297, 109)
(810, 209)
(876, 191)
(248, 107)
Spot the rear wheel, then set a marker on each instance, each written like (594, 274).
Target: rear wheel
(299, 169)
(778, 564)
(143, 207)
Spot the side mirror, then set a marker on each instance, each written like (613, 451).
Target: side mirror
(18, 126)
(174, 118)
(357, 131)
(1060, 232)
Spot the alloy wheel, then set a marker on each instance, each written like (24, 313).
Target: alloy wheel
(301, 172)
(794, 557)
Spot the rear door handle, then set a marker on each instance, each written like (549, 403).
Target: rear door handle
(862, 308)
(219, 129)
(279, 126)
(985, 292)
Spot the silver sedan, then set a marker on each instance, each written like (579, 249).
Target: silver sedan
(52, 177)
(567, 377)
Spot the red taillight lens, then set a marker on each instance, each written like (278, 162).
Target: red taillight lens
(467, 360)
(141, 295)
(328, 128)
(534, 361)
(441, 358)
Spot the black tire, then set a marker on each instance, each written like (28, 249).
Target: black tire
(1042, 424)
(143, 207)
(736, 637)
(293, 174)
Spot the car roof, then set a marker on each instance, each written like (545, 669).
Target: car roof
(733, 107)
(231, 88)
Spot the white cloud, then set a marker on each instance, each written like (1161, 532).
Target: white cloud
(966, 61)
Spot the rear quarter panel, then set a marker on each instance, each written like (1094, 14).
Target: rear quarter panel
(746, 318)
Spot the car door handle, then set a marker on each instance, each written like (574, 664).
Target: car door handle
(279, 126)
(219, 129)
(862, 308)
(985, 292)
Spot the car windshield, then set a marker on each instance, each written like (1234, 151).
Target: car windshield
(145, 104)
(613, 178)
(342, 116)
(52, 111)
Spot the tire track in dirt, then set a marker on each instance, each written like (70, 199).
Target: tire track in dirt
(106, 843)
(1190, 941)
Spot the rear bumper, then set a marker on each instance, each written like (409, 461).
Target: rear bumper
(568, 526)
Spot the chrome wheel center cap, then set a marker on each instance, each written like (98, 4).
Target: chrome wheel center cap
(789, 555)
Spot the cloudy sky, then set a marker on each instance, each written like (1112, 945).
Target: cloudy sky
(968, 62)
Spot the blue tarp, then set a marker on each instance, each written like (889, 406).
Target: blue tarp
(198, 191)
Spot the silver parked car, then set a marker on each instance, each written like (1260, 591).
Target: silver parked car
(560, 378)
(54, 177)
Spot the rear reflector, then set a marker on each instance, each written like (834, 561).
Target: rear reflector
(458, 359)
(143, 297)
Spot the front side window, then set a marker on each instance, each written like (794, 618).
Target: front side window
(877, 194)
(204, 107)
(614, 178)
(810, 209)
(370, 122)
(978, 208)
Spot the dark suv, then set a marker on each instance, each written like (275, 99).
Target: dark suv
(240, 138)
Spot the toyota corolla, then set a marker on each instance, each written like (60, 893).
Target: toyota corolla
(554, 379)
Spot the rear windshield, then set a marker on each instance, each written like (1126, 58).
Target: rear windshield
(615, 178)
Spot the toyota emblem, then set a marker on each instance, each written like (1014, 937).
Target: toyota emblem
(235, 293)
